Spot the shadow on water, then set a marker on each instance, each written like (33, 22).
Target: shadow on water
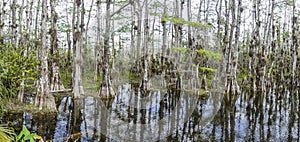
(273, 116)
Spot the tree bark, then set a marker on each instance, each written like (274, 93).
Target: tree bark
(46, 99)
(69, 42)
(14, 23)
(2, 12)
(139, 34)
(295, 43)
(145, 47)
(98, 49)
(106, 91)
(235, 87)
(21, 44)
(78, 88)
(56, 81)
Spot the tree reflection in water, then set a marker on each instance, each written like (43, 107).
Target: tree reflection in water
(271, 116)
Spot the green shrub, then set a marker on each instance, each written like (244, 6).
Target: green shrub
(16, 64)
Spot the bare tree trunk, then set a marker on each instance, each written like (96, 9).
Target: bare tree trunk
(20, 17)
(271, 40)
(88, 22)
(164, 34)
(2, 12)
(112, 35)
(225, 44)
(56, 82)
(145, 47)
(69, 42)
(189, 11)
(46, 99)
(295, 43)
(235, 87)
(132, 32)
(37, 48)
(14, 23)
(74, 41)
(82, 38)
(21, 44)
(98, 43)
(78, 88)
(153, 32)
(139, 33)
(106, 91)
(1, 24)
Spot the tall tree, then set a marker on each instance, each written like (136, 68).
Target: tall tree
(164, 34)
(69, 42)
(78, 88)
(46, 100)
(2, 12)
(138, 12)
(106, 90)
(56, 81)
(295, 42)
(235, 87)
(14, 22)
(98, 49)
(145, 46)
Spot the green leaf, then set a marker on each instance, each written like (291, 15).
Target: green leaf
(208, 69)
(182, 21)
(24, 132)
(179, 48)
(6, 133)
(210, 53)
(30, 137)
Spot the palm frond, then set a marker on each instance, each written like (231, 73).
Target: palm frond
(6, 133)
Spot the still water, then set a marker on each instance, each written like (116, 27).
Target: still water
(170, 116)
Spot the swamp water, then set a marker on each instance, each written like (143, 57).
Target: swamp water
(273, 116)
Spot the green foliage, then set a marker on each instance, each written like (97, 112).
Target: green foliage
(289, 2)
(25, 135)
(242, 75)
(124, 29)
(156, 4)
(184, 22)
(16, 65)
(154, 13)
(207, 69)
(210, 53)
(6, 133)
(179, 49)
(66, 77)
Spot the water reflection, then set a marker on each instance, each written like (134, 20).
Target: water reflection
(271, 116)
(130, 117)
(63, 124)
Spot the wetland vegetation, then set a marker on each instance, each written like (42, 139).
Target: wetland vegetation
(150, 70)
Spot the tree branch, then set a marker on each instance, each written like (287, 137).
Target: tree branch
(119, 10)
